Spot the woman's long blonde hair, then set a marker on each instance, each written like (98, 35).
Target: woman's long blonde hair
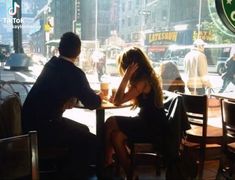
(145, 71)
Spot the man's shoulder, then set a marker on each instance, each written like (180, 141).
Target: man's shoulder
(189, 54)
(198, 53)
(67, 67)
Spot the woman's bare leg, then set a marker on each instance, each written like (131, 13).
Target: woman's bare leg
(119, 142)
(110, 127)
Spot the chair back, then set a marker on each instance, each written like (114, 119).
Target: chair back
(19, 88)
(196, 111)
(228, 117)
(19, 157)
(10, 116)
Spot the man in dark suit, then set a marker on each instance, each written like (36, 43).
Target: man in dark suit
(57, 88)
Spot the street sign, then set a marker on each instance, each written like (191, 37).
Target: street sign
(226, 12)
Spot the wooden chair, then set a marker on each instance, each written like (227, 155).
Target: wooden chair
(17, 87)
(49, 160)
(228, 117)
(19, 157)
(10, 125)
(10, 115)
(202, 140)
(144, 153)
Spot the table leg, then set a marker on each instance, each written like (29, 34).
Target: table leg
(100, 119)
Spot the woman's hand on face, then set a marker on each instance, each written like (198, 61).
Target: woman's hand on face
(131, 69)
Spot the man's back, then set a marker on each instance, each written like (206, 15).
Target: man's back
(59, 81)
(195, 64)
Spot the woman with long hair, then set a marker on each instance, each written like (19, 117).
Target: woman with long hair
(170, 77)
(140, 85)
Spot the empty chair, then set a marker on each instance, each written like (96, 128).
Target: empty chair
(203, 140)
(19, 157)
(228, 117)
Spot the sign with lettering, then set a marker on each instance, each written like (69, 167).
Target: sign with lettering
(226, 12)
(207, 36)
(161, 36)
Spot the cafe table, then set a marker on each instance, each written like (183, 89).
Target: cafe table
(100, 114)
(229, 95)
(100, 120)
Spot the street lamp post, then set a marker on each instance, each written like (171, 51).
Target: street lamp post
(199, 19)
(143, 13)
(75, 16)
(17, 32)
(96, 22)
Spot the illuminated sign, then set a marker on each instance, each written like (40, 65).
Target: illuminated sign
(161, 36)
(176, 37)
(207, 36)
(226, 12)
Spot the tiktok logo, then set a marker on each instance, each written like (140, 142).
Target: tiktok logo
(13, 10)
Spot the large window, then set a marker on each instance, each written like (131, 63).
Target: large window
(155, 26)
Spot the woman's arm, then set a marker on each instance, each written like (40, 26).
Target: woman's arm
(134, 90)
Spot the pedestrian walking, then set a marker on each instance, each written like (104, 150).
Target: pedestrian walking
(195, 64)
(229, 75)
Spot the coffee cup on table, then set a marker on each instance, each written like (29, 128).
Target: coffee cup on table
(114, 90)
(104, 88)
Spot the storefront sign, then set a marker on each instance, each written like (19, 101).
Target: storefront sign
(161, 36)
(207, 36)
(226, 12)
(178, 37)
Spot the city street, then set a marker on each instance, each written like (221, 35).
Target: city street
(88, 116)
(31, 32)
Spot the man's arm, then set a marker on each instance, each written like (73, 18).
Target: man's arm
(86, 95)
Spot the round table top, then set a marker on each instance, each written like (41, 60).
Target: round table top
(230, 96)
(108, 105)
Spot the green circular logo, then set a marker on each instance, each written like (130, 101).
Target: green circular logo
(226, 12)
